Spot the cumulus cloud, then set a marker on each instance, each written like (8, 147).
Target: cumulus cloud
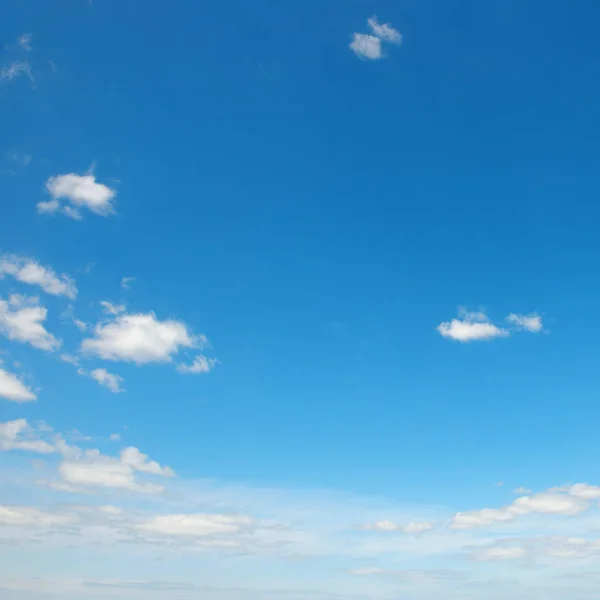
(473, 326)
(541, 503)
(28, 271)
(107, 380)
(21, 320)
(384, 31)
(412, 527)
(18, 435)
(366, 46)
(13, 389)
(81, 191)
(531, 322)
(369, 46)
(138, 338)
(201, 364)
(94, 469)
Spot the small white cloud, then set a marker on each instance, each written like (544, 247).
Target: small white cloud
(25, 41)
(112, 309)
(29, 271)
(21, 320)
(201, 364)
(15, 69)
(531, 322)
(412, 527)
(13, 389)
(499, 553)
(108, 380)
(114, 437)
(522, 491)
(126, 282)
(196, 525)
(18, 435)
(82, 191)
(385, 31)
(366, 46)
(139, 338)
(473, 326)
(27, 516)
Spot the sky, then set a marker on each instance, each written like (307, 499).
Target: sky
(296, 298)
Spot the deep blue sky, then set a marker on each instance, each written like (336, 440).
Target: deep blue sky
(317, 216)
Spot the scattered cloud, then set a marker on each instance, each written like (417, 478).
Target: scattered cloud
(499, 553)
(21, 320)
(14, 70)
(107, 380)
(201, 364)
(473, 326)
(126, 282)
(70, 359)
(366, 46)
(196, 525)
(369, 46)
(112, 309)
(522, 491)
(531, 322)
(25, 41)
(138, 338)
(29, 271)
(385, 31)
(82, 191)
(26, 516)
(570, 503)
(19, 435)
(412, 527)
(13, 389)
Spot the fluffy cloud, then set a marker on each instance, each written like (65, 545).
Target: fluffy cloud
(201, 364)
(108, 380)
(531, 322)
(13, 389)
(94, 469)
(366, 46)
(384, 31)
(31, 272)
(473, 326)
(412, 527)
(82, 191)
(542, 503)
(138, 338)
(21, 320)
(18, 435)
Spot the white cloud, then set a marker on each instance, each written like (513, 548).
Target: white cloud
(18, 435)
(25, 41)
(112, 309)
(585, 491)
(384, 31)
(108, 380)
(31, 272)
(541, 503)
(366, 46)
(499, 553)
(82, 191)
(473, 326)
(126, 282)
(13, 389)
(197, 525)
(21, 320)
(412, 527)
(139, 338)
(531, 322)
(14, 70)
(94, 469)
(522, 491)
(70, 359)
(201, 364)
(25, 516)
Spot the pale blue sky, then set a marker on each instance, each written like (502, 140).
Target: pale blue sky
(332, 268)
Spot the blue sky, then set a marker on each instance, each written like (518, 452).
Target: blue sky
(292, 294)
